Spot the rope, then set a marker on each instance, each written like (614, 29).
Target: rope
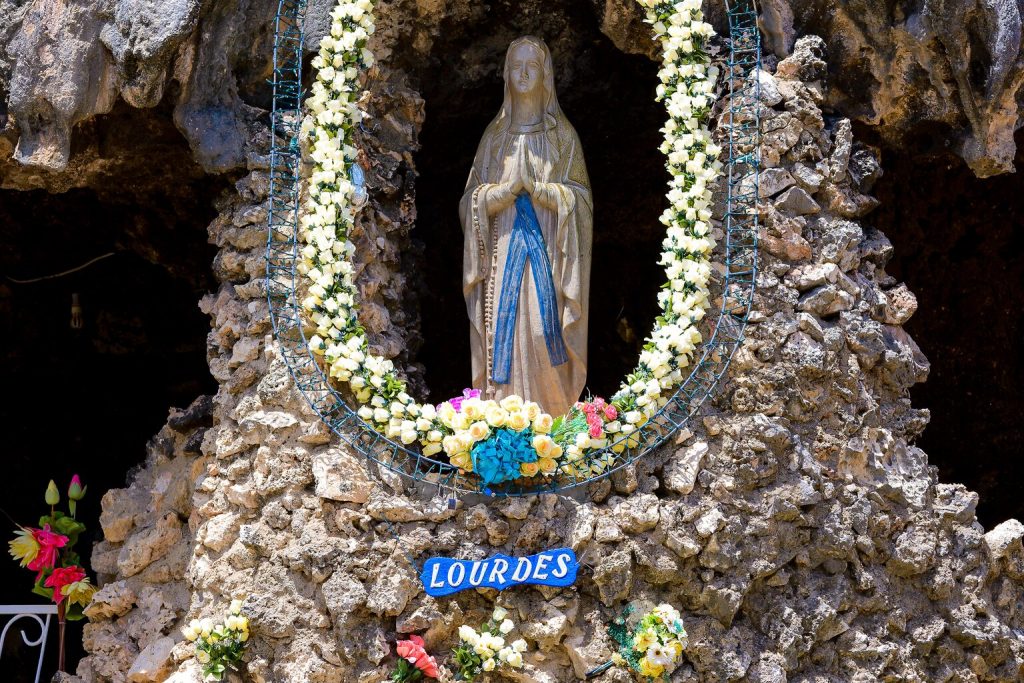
(64, 272)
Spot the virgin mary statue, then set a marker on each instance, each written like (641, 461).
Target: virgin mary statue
(527, 218)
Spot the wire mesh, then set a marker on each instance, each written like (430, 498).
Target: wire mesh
(741, 120)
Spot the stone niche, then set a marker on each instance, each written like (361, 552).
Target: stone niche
(452, 56)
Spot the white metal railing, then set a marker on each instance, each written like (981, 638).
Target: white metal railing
(41, 614)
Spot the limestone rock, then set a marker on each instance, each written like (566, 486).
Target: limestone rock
(774, 180)
(153, 663)
(1005, 538)
(796, 201)
(149, 545)
(681, 471)
(341, 476)
(112, 600)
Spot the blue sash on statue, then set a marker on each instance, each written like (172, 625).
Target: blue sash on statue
(526, 242)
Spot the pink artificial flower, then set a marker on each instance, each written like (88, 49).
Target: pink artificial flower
(595, 431)
(610, 413)
(413, 651)
(466, 393)
(49, 543)
(63, 576)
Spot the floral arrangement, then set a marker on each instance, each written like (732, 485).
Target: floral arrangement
(485, 650)
(219, 646)
(49, 551)
(493, 439)
(651, 645)
(414, 662)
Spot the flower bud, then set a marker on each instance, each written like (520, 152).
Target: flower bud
(52, 496)
(76, 491)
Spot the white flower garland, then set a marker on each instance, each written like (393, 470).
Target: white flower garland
(331, 303)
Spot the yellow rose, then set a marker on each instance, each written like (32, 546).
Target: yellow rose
(460, 422)
(478, 431)
(647, 668)
(517, 421)
(464, 461)
(547, 465)
(542, 425)
(472, 408)
(543, 444)
(496, 416)
(529, 469)
(512, 403)
(446, 413)
(532, 410)
(451, 445)
(556, 452)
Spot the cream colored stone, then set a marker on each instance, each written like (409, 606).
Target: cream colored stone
(153, 663)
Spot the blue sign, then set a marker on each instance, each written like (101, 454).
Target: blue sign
(444, 576)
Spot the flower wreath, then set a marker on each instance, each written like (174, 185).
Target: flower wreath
(513, 438)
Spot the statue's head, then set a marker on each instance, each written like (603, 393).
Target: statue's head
(529, 72)
(527, 64)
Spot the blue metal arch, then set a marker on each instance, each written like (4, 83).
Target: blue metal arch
(741, 119)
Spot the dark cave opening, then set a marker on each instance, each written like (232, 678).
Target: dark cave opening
(608, 96)
(88, 400)
(959, 246)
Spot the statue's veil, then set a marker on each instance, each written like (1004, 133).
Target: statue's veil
(553, 115)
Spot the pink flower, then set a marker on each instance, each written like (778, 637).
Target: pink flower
(595, 431)
(466, 393)
(63, 576)
(412, 651)
(49, 544)
(610, 413)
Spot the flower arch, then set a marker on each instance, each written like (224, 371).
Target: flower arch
(510, 447)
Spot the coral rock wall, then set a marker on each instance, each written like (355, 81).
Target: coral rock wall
(797, 526)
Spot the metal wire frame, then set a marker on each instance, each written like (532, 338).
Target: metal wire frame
(742, 121)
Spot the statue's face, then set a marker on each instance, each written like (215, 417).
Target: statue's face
(526, 70)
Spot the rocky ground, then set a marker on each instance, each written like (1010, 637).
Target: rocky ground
(799, 529)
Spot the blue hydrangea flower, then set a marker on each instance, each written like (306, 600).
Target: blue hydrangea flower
(500, 457)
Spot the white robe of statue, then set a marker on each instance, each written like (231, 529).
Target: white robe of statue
(530, 151)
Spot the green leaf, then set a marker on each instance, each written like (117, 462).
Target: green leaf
(67, 526)
(45, 592)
